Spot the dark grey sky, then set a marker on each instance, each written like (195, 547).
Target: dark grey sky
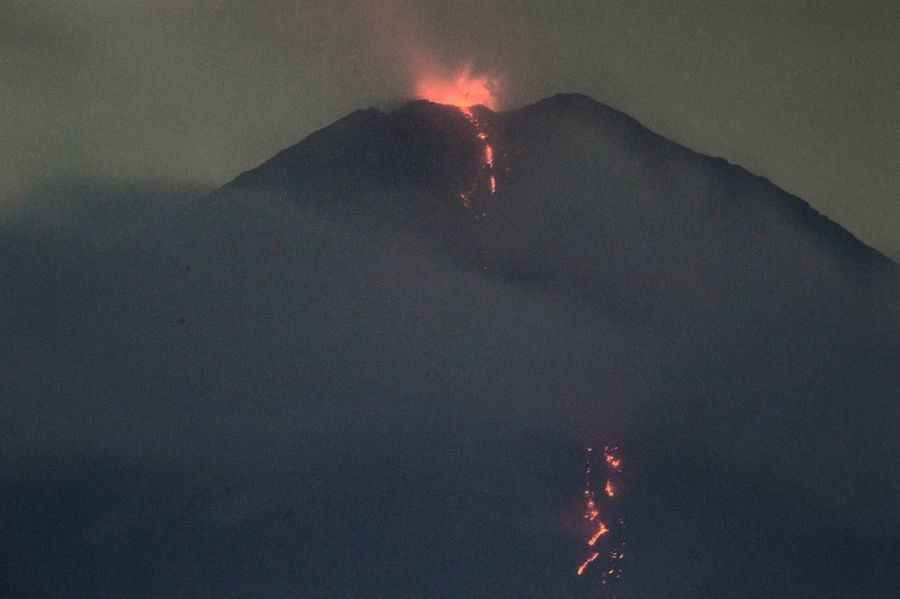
(194, 91)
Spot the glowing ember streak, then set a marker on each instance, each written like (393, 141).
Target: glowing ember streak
(587, 563)
(488, 154)
(487, 159)
(600, 532)
(608, 536)
(609, 454)
(609, 489)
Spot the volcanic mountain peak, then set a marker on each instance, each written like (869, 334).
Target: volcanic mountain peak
(566, 184)
(419, 125)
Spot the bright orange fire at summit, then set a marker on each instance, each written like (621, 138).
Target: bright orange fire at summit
(463, 90)
(614, 462)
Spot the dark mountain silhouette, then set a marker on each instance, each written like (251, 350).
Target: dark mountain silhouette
(589, 200)
(356, 371)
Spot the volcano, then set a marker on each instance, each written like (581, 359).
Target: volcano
(369, 367)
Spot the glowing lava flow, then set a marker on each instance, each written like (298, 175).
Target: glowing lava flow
(465, 91)
(614, 461)
(587, 563)
(488, 151)
(612, 537)
(487, 158)
(601, 530)
(609, 489)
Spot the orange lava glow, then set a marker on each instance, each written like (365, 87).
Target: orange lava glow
(614, 462)
(604, 539)
(601, 530)
(609, 489)
(487, 158)
(586, 563)
(462, 91)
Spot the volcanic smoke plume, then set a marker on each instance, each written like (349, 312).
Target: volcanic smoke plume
(462, 90)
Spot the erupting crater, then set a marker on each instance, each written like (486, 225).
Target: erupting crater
(463, 91)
